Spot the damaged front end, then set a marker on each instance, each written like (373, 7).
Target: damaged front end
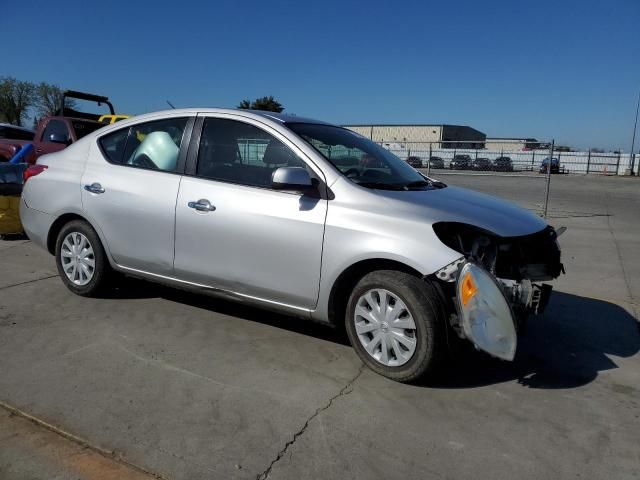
(495, 284)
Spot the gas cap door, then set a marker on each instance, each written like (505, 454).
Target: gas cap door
(485, 314)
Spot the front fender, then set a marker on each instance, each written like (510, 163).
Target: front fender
(413, 244)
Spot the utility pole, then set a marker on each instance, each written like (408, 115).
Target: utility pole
(548, 183)
(633, 139)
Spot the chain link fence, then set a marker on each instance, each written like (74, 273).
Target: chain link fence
(454, 156)
(530, 169)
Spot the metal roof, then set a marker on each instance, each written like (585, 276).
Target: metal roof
(2, 124)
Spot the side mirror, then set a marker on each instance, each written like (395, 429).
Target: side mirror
(59, 138)
(291, 178)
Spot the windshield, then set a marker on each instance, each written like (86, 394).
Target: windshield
(361, 160)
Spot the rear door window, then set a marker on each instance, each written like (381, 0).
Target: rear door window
(150, 145)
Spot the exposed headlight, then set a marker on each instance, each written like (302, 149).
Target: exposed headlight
(485, 315)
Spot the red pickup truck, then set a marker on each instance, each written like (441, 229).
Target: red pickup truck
(58, 131)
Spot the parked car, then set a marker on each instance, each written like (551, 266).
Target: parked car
(503, 164)
(56, 132)
(481, 163)
(415, 162)
(460, 162)
(250, 206)
(436, 162)
(555, 165)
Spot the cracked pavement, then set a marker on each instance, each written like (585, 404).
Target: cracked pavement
(190, 387)
(346, 390)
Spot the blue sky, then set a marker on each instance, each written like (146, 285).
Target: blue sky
(564, 69)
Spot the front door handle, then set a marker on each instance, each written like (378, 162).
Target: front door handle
(94, 188)
(202, 205)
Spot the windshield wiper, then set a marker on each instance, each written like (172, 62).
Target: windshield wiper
(417, 184)
(432, 182)
(381, 185)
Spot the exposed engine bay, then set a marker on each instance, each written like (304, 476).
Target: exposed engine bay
(517, 264)
(534, 257)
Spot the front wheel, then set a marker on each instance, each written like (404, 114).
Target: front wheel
(395, 322)
(81, 260)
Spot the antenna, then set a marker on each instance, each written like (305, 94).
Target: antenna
(170, 104)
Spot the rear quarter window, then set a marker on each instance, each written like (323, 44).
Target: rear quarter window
(113, 145)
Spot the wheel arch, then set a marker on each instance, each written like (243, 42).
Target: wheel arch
(65, 218)
(56, 226)
(346, 281)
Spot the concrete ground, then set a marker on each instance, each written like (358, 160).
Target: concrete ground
(189, 387)
(29, 450)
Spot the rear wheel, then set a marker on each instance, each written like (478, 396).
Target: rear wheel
(81, 260)
(395, 323)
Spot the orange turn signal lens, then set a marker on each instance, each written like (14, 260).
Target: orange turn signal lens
(468, 289)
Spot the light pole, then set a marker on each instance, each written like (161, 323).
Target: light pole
(633, 138)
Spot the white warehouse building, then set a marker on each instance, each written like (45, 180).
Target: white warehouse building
(439, 136)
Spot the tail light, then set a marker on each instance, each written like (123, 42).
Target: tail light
(32, 171)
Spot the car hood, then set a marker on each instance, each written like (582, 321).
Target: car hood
(455, 204)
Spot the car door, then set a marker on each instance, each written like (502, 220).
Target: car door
(129, 190)
(252, 240)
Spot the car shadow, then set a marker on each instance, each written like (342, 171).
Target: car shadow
(564, 348)
(132, 288)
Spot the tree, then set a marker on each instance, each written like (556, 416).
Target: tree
(268, 104)
(16, 97)
(49, 98)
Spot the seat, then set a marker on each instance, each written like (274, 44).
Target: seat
(218, 160)
(279, 154)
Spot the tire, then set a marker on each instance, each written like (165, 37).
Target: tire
(71, 235)
(423, 306)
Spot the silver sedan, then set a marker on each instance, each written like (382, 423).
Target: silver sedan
(295, 215)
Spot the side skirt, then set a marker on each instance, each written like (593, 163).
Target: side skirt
(218, 292)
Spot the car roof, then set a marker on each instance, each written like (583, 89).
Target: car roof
(279, 117)
(287, 117)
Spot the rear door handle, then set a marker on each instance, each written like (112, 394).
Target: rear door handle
(94, 188)
(202, 205)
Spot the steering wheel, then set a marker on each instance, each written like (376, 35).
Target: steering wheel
(352, 172)
(373, 174)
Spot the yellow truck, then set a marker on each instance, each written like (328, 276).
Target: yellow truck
(109, 119)
(11, 179)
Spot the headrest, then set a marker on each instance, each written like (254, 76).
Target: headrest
(224, 152)
(277, 153)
